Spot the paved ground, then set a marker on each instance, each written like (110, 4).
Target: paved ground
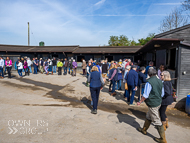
(54, 108)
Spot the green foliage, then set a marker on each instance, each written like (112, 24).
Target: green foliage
(118, 41)
(122, 40)
(143, 41)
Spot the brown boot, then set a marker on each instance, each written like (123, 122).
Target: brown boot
(164, 125)
(161, 132)
(52, 73)
(145, 127)
(167, 126)
(47, 73)
(113, 94)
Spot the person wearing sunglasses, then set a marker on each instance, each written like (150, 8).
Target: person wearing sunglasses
(167, 99)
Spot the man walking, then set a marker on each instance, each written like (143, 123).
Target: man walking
(152, 96)
(132, 82)
(1, 67)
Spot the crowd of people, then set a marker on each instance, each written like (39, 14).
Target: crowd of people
(156, 89)
(48, 66)
(155, 86)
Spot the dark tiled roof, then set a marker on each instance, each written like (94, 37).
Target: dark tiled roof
(18, 48)
(108, 49)
(172, 31)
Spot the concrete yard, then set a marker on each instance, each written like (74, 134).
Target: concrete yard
(53, 109)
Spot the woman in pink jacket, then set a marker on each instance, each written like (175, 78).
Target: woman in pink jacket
(8, 64)
(26, 69)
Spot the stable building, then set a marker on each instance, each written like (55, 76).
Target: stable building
(171, 48)
(78, 53)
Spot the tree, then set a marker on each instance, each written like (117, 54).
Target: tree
(186, 5)
(113, 41)
(143, 41)
(133, 43)
(119, 41)
(174, 20)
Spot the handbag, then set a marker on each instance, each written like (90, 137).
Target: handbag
(126, 86)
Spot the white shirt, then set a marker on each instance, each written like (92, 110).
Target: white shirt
(50, 62)
(20, 66)
(2, 63)
(123, 64)
(29, 62)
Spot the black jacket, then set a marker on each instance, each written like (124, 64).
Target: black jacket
(104, 68)
(167, 99)
(141, 79)
(54, 62)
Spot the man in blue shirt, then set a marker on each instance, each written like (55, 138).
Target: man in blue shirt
(153, 93)
(132, 82)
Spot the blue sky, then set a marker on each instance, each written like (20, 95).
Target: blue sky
(80, 22)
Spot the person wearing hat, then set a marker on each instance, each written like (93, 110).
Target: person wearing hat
(132, 82)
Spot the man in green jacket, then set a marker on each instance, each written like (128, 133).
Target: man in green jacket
(152, 96)
(59, 65)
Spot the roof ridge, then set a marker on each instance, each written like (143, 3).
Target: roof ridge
(172, 31)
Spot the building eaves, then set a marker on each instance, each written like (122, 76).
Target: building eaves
(172, 31)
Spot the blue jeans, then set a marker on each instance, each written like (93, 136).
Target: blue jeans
(113, 88)
(142, 91)
(54, 69)
(118, 85)
(95, 91)
(1, 72)
(20, 72)
(65, 70)
(131, 98)
(50, 69)
(126, 94)
(35, 70)
(30, 69)
(69, 70)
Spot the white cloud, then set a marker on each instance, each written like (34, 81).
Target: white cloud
(125, 15)
(167, 3)
(99, 3)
